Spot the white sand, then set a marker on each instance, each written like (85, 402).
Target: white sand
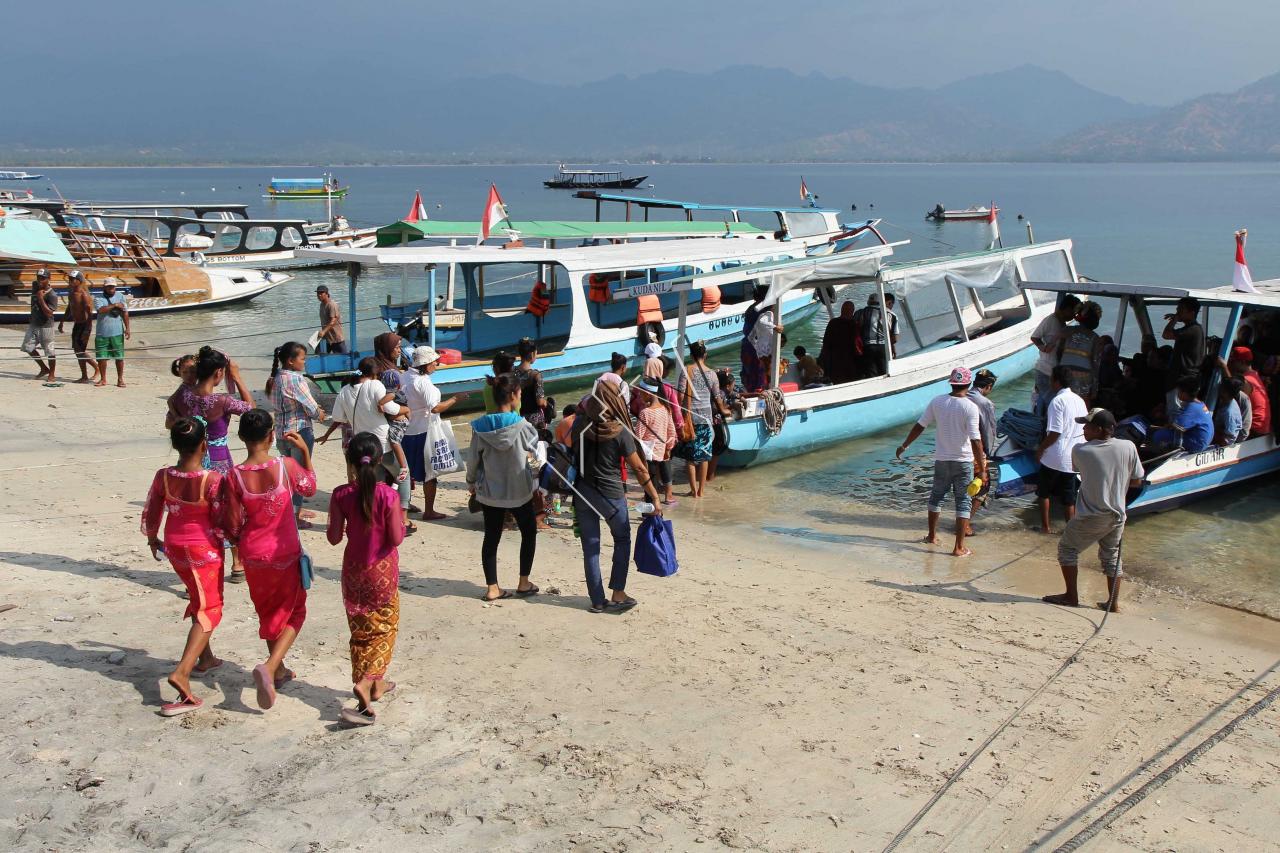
(778, 693)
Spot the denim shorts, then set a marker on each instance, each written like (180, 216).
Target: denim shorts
(954, 477)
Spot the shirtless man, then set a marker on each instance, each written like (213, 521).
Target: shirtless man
(80, 312)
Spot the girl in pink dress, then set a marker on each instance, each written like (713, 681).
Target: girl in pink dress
(260, 519)
(368, 511)
(189, 499)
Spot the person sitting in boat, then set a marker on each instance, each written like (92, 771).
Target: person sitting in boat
(838, 356)
(1228, 420)
(1080, 350)
(938, 212)
(340, 223)
(759, 329)
(808, 370)
(1190, 427)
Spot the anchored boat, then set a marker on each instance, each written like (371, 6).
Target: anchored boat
(19, 176)
(306, 189)
(574, 179)
(971, 213)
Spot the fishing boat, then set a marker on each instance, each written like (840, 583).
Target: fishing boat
(560, 297)
(19, 176)
(574, 179)
(973, 212)
(1178, 477)
(305, 189)
(153, 284)
(959, 310)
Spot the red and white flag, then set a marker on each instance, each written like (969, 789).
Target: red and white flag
(418, 212)
(494, 212)
(1241, 280)
(804, 189)
(991, 214)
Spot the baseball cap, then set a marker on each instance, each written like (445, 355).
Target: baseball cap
(42, 273)
(424, 355)
(1100, 418)
(1242, 354)
(652, 351)
(962, 376)
(323, 288)
(75, 274)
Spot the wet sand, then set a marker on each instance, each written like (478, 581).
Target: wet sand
(803, 685)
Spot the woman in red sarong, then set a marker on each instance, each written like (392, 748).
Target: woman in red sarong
(260, 519)
(188, 498)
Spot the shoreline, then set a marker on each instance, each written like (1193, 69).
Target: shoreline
(641, 164)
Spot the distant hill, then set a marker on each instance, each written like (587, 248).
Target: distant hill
(745, 113)
(1240, 125)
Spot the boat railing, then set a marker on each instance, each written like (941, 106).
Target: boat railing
(119, 250)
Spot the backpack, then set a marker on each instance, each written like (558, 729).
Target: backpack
(558, 474)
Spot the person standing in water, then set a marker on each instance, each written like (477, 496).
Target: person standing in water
(957, 457)
(366, 511)
(188, 498)
(260, 519)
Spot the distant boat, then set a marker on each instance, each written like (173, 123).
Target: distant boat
(326, 187)
(971, 213)
(591, 179)
(19, 176)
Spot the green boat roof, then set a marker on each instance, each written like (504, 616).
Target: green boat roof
(543, 229)
(32, 240)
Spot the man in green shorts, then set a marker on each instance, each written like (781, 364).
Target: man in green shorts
(112, 331)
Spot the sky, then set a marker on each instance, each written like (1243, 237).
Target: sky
(1142, 50)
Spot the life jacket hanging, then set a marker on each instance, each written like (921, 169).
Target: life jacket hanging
(539, 301)
(598, 289)
(648, 310)
(710, 299)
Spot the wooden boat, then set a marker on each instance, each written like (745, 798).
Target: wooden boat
(960, 310)
(574, 179)
(154, 284)
(305, 189)
(971, 213)
(19, 176)
(1179, 477)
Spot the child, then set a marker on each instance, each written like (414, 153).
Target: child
(260, 518)
(189, 498)
(729, 391)
(565, 427)
(184, 368)
(807, 366)
(656, 427)
(366, 510)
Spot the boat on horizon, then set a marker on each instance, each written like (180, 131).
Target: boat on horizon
(972, 213)
(7, 175)
(581, 179)
(305, 189)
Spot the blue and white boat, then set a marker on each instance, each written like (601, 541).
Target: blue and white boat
(961, 310)
(18, 176)
(1179, 477)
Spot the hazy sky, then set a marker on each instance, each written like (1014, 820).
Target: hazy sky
(1157, 52)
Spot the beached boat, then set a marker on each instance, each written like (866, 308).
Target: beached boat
(305, 189)
(574, 179)
(18, 176)
(581, 326)
(154, 284)
(973, 212)
(961, 310)
(1178, 477)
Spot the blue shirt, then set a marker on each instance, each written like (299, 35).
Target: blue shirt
(1229, 421)
(1197, 426)
(110, 325)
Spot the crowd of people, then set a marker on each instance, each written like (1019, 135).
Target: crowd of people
(105, 317)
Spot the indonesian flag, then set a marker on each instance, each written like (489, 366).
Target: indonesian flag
(1240, 279)
(418, 212)
(494, 212)
(804, 189)
(991, 215)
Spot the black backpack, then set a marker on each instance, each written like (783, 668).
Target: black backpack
(558, 475)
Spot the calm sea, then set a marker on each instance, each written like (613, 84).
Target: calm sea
(1167, 223)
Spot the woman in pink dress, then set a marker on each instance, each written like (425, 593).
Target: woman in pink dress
(368, 511)
(260, 519)
(188, 498)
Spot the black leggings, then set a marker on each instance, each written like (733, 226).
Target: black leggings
(493, 519)
(660, 473)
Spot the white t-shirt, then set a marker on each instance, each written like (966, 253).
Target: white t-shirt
(357, 407)
(957, 420)
(1050, 330)
(1064, 408)
(422, 396)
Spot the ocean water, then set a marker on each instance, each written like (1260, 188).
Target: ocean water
(1158, 223)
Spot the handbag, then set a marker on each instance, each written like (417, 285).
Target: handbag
(686, 432)
(655, 552)
(305, 569)
(444, 447)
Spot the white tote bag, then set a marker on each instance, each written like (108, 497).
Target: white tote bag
(443, 447)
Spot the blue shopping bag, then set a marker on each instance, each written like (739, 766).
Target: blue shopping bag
(656, 547)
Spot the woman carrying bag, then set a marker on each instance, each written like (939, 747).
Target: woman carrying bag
(425, 409)
(499, 477)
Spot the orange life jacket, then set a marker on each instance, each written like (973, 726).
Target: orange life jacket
(539, 302)
(710, 299)
(598, 290)
(648, 310)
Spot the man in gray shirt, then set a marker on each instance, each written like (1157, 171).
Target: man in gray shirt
(1108, 468)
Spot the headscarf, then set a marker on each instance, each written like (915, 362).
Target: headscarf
(386, 349)
(606, 411)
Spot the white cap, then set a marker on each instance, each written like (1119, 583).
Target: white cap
(75, 274)
(424, 355)
(652, 351)
(111, 281)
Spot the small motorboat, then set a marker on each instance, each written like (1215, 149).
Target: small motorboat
(972, 213)
(19, 176)
(590, 179)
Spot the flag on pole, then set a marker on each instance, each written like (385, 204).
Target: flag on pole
(1241, 280)
(991, 214)
(418, 212)
(494, 212)
(804, 189)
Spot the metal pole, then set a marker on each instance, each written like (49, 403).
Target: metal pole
(1031, 235)
(353, 277)
(1228, 336)
(955, 306)
(431, 305)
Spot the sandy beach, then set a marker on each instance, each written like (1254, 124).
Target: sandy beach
(781, 692)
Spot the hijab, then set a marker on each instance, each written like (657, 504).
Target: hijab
(386, 349)
(606, 411)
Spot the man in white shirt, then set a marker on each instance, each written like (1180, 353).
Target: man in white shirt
(1063, 432)
(1047, 336)
(957, 455)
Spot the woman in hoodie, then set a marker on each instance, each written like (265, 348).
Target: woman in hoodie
(498, 476)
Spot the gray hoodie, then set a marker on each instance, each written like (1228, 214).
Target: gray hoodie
(498, 459)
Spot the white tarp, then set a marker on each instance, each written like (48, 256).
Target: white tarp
(976, 273)
(845, 266)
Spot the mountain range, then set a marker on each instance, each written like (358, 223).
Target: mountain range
(745, 113)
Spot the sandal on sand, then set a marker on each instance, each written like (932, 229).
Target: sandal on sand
(266, 688)
(356, 717)
(621, 606)
(303, 524)
(235, 577)
(182, 706)
(506, 593)
(525, 593)
(52, 384)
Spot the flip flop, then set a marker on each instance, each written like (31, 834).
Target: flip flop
(506, 593)
(525, 593)
(182, 706)
(356, 717)
(621, 606)
(235, 577)
(52, 384)
(303, 524)
(266, 689)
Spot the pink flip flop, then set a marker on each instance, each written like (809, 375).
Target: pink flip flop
(266, 690)
(182, 706)
(356, 717)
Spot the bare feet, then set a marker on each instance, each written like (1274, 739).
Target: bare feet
(43, 373)
(433, 516)
(206, 666)
(381, 688)
(120, 384)
(961, 552)
(1103, 605)
(101, 383)
(1061, 599)
(931, 540)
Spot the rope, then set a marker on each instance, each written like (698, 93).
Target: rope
(775, 410)
(1083, 837)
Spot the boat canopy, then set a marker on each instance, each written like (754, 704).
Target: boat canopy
(675, 204)
(1267, 297)
(300, 183)
(32, 240)
(400, 232)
